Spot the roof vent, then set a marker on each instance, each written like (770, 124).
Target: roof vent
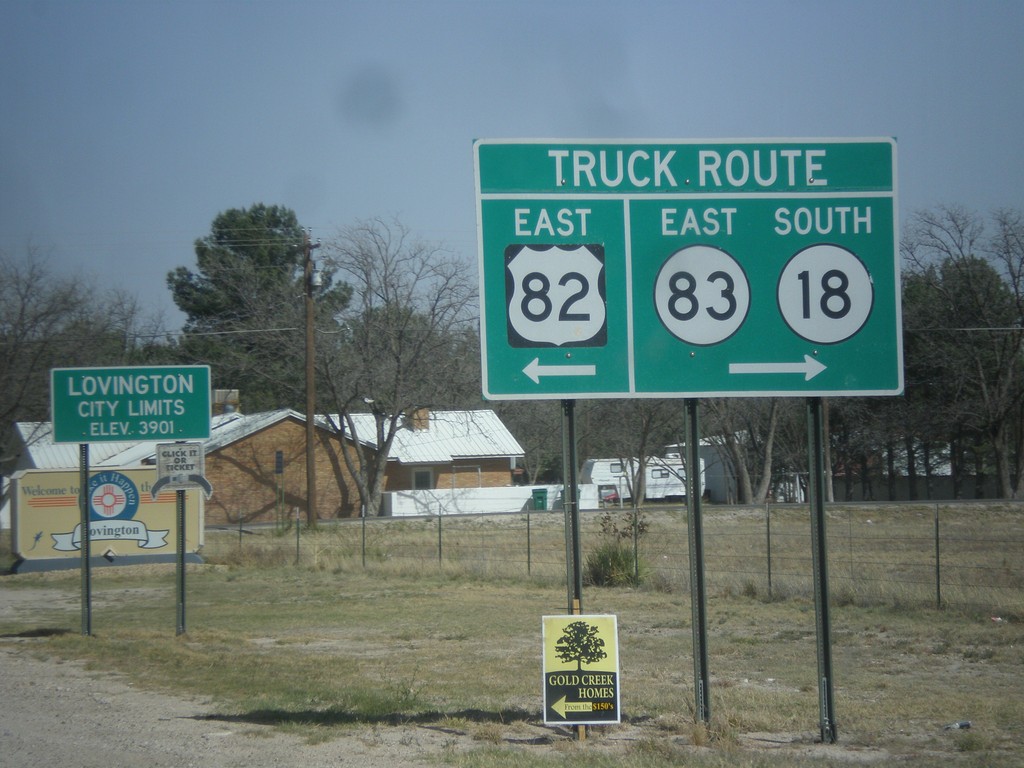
(225, 401)
(418, 419)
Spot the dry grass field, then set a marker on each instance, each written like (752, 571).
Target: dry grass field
(965, 556)
(401, 624)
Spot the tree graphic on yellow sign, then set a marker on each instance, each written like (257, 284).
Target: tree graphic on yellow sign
(580, 643)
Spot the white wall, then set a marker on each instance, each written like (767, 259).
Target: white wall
(474, 501)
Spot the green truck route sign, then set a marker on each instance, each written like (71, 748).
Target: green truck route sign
(91, 405)
(688, 268)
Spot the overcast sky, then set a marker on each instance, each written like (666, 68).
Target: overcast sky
(127, 127)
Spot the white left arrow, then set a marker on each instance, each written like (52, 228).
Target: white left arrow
(809, 367)
(535, 370)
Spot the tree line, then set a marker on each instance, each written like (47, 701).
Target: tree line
(396, 329)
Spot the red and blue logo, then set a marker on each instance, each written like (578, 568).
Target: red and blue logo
(112, 496)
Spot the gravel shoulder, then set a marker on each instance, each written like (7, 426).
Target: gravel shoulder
(58, 713)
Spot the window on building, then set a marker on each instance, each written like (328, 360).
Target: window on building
(422, 480)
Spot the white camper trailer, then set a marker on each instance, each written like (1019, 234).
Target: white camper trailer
(664, 478)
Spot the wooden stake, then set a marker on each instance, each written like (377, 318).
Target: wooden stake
(581, 730)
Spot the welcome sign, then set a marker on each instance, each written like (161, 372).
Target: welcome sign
(125, 521)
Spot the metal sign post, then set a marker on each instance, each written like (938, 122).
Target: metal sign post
(819, 544)
(133, 403)
(86, 545)
(180, 516)
(698, 592)
(181, 466)
(570, 505)
(690, 269)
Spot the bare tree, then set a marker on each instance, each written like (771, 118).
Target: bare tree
(538, 428)
(407, 342)
(34, 311)
(53, 320)
(971, 317)
(746, 430)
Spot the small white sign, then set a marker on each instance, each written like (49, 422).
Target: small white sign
(180, 465)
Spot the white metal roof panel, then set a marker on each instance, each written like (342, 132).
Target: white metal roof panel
(452, 435)
(43, 453)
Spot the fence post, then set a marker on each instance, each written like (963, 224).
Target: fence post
(938, 563)
(529, 558)
(439, 543)
(768, 538)
(849, 546)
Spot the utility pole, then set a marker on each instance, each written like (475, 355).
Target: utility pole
(311, 279)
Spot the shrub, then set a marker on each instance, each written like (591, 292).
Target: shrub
(612, 565)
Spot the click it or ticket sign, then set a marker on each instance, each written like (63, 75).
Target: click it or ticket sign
(688, 268)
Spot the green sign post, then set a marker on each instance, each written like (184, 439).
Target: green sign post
(92, 405)
(688, 269)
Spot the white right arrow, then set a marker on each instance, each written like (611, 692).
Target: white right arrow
(809, 367)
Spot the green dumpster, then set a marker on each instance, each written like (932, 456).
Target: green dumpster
(540, 498)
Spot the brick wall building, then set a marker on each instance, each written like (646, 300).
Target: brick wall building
(442, 450)
(246, 484)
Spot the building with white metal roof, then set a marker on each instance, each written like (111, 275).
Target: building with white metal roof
(245, 454)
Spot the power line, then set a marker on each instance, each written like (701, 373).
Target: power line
(58, 339)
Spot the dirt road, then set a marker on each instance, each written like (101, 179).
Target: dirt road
(59, 714)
